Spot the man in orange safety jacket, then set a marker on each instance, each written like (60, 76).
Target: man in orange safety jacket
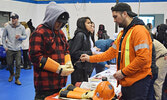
(133, 51)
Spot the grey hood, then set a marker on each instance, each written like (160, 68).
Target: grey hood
(53, 11)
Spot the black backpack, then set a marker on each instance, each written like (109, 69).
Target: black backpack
(70, 42)
(71, 46)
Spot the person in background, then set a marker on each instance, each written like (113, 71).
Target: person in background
(92, 40)
(154, 70)
(102, 33)
(133, 51)
(103, 45)
(25, 47)
(164, 89)
(81, 44)
(2, 50)
(14, 32)
(49, 53)
(30, 25)
(151, 30)
(93, 32)
(149, 25)
(161, 62)
(162, 34)
(96, 49)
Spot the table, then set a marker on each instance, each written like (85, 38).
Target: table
(93, 82)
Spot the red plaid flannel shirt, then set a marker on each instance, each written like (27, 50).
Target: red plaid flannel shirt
(45, 43)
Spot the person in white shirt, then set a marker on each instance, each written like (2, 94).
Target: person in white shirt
(25, 47)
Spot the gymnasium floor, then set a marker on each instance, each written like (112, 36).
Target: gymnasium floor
(11, 91)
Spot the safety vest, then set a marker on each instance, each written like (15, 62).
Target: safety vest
(141, 49)
(127, 58)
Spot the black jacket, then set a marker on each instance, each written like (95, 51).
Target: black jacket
(81, 45)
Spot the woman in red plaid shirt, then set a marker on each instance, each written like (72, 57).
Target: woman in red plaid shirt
(49, 53)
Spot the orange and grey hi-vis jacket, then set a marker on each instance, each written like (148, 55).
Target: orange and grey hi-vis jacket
(136, 54)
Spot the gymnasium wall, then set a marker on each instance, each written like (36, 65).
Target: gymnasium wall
(100, 12)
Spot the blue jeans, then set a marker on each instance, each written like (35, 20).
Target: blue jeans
(99, 68)
(138, 91)
(151, 92)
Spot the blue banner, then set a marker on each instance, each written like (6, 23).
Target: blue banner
(86, 1)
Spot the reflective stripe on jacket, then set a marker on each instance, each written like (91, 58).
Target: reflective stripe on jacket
(139, 53)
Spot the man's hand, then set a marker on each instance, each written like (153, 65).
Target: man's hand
(84, 57)
(118, 75)
(106, 65)
(97, 49)
(17, 36)
(65, 70)
(6, 49)
(165, 58)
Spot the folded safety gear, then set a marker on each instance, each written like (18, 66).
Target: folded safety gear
(71, 87)
(75, 93)
(53, 66)
(70, 94)
(67, 58)
(104, 91)
(88, 95)
(49, 64)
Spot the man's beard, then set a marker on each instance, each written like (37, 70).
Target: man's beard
(121, 25)
(14, 23)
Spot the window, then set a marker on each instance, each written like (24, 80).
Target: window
(148, 19)
(4, 17)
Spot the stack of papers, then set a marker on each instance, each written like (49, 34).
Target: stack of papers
(96, 79)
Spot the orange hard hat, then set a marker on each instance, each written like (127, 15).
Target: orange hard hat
(104, 91)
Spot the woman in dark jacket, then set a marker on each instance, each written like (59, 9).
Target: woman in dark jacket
(81, 44)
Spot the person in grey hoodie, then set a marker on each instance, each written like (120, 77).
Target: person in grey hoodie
(49, 53)
(12, 38)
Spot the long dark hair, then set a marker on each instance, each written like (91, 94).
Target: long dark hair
(93, 35)
(81, 25)
(101, 32)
